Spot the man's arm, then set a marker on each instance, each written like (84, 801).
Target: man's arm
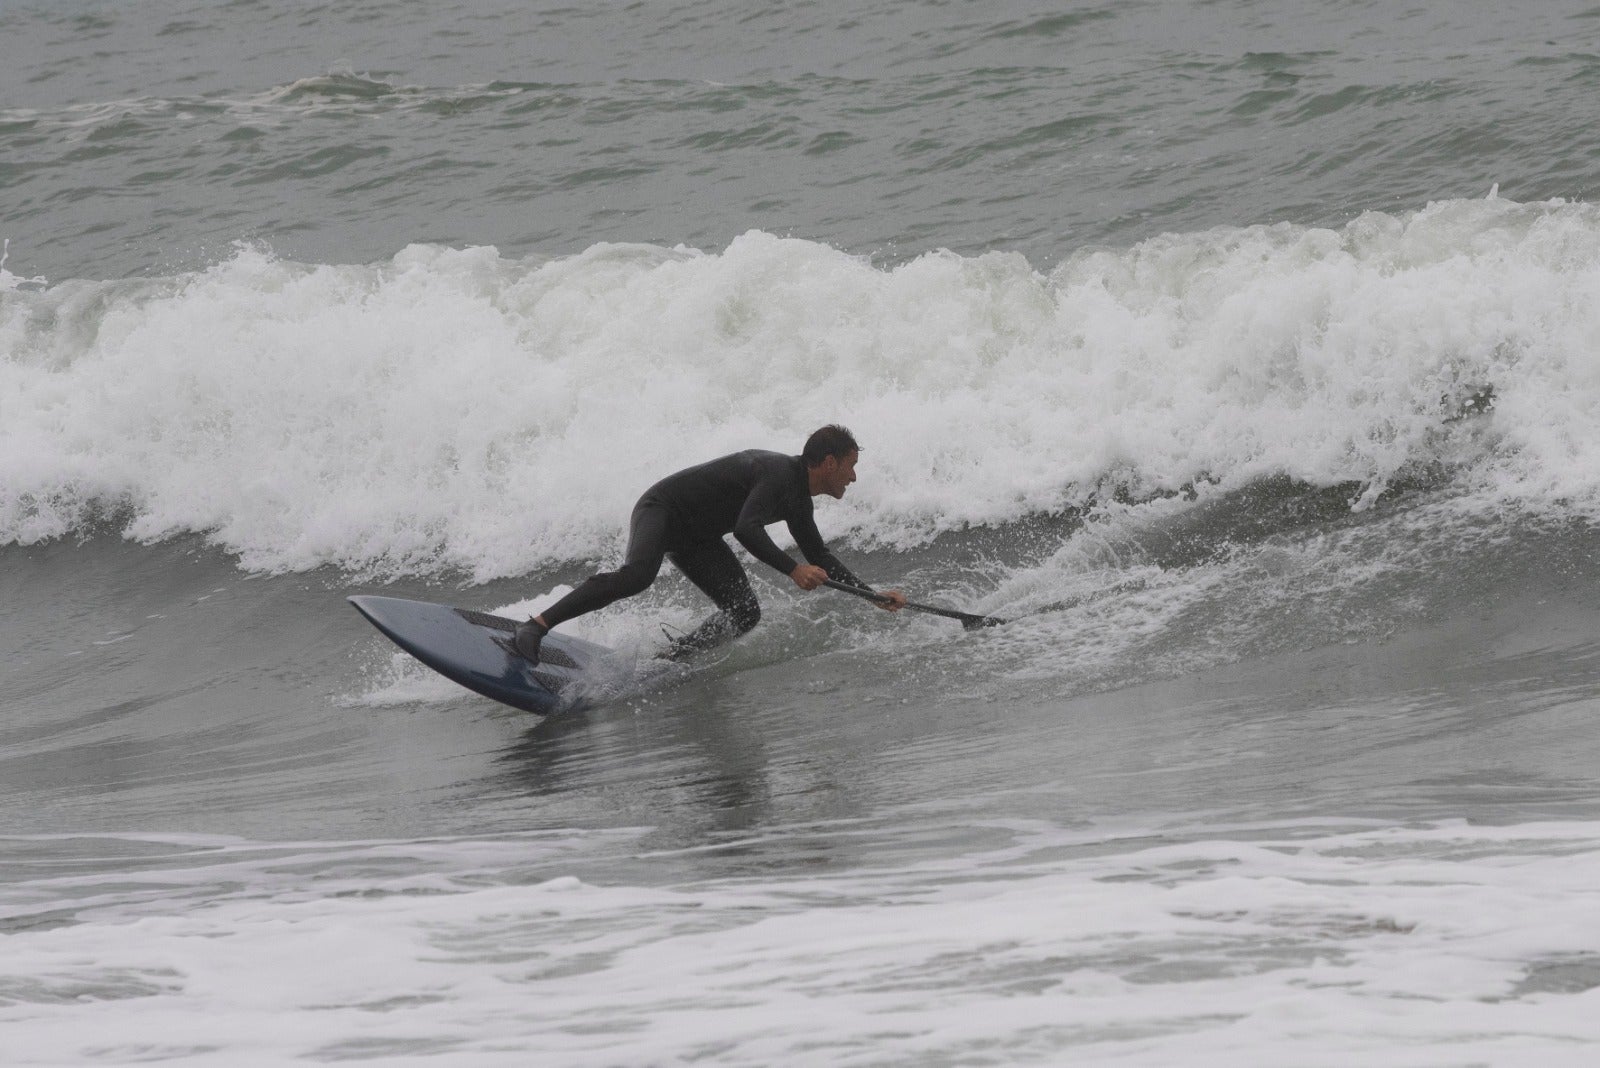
(751, 532)
(809, 540)
(766, 502)
(751, 528)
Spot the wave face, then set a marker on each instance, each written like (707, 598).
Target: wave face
(456, 411)
(1182, 336)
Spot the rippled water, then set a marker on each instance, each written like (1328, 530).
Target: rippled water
(135, 140)
(1240, 354)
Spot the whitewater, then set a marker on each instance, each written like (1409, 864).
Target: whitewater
(1242, 358)
(307, 415)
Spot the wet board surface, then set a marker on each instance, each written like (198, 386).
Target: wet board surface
(474, 649)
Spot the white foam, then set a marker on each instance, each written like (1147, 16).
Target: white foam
(455, 410)
(1371, 944)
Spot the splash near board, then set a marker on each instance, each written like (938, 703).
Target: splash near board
(474, 649)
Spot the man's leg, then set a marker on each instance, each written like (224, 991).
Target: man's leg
(647, 536)
(718, 574)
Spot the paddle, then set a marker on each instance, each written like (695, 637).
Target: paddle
(968, 620)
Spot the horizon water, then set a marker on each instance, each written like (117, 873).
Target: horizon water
(1242, 357)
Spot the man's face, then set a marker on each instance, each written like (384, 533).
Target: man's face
(837, 473)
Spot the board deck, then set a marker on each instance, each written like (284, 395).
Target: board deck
(474, 649)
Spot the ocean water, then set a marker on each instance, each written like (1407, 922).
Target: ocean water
(1245, 357)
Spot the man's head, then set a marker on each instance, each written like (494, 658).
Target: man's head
(830, 456)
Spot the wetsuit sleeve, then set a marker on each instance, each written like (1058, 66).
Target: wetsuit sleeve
(810, 542)
(751, 528)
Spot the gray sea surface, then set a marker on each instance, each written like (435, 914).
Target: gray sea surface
(1238, 354)
(148, 137)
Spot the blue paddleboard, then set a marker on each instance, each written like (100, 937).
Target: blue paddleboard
(475, 650)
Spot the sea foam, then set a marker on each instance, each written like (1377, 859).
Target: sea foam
(1306, 943)
(453, 410)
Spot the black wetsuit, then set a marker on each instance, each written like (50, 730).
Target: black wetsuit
(684, 517)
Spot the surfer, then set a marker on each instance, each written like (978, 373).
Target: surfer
(684, 518)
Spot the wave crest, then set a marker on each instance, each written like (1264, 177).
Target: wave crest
(457, 410)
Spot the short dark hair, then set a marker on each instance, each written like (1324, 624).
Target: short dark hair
(830, 440)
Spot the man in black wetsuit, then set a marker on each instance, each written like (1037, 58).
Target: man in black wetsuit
(684, 517)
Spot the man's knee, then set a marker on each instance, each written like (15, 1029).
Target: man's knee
(635, 578)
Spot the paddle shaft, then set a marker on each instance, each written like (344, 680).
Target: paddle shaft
(967, 619)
